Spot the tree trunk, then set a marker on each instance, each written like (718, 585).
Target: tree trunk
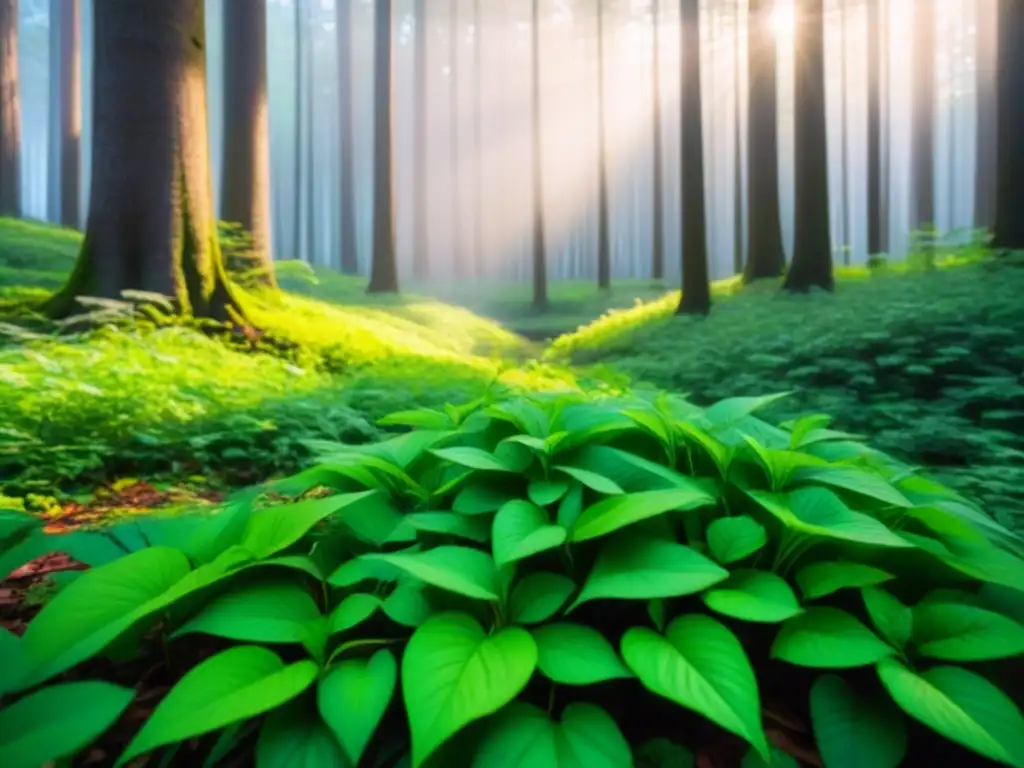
(66, 110)
(737, 180)
(421, 243)
(10, 112)
(297, 160)
(310, 140)
(1009, 225)
(766, 256)
(985, 57)
(847, 242)
(924, 119)
(453, 119)
(346, 185)
(812, 251)
(696, 298)
(540, 259)
(150, 225)
(875, 245)
(384, 271)
(478, 129)
(245, 174)
(658, 199)
(604, 251)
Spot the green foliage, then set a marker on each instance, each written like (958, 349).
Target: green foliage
(420, 599)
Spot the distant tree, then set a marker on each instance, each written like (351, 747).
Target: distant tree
(461, 268)
(10, 112)
(540, 276)
(297, 159)
(847, 209)
(1009, 221)
(150, 225)
(923, 116)
(737, 180)
(66, 103)
(658, 198)
(478, 129)
(604, 250)
(421, 235)
(874, 170)
(696, 298)
(766, 256)
(986, 138)
(346, 145)
(812, 251)
(245, 171)
(384, 270)
(309, 106)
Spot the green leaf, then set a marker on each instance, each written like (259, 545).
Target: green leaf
(409, 604)
(617, 512)
(479, 499)
(275, 528)
(699, 664)
(546, 492)
(454, 673)
(777, 759)
(58, 721)
(11, 653)
(571, 507)
(1003, 599)
(819, 512)
(958, 632)
(828, 638)
(662, 753)
(734, 538)
(641, 568)
(853, 730)
(353, 697)
(522, 529)
(474, 458)
(592, 480)
(420, 418)
(893, 620)
(538, 597)
(860, 481)
(265, 611)
(234, 685)
(472, 528)
(574, 654)
(294, 736)
(753, 596)
(733, 409)
(522, 735)
(821, 579)
(464, 571)
(960, 705)
(353, 611)
(357, 570)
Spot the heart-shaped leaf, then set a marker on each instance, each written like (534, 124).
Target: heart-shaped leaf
(853, 730)
(275, 528)
(538, 597)
(479, 499)
(753, 596)
(828, 638)
(353, 611)
(617, 512)
(451, 524)
(353, 697)
(409, 604)
(960, 632)
(464, 571)
(546, 492)
(522, 529)
(821, 579)
(295, 736)
(734, 538)
(574, 654)
(893, 620)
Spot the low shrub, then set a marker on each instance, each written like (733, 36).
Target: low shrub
(545, 581)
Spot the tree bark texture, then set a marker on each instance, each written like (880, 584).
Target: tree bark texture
(66, 104)
(604, 249)
(10, 112)
(384, 269)
(924, 115)
(540, 258)
(874, 170)
(658, 199)
(1009, 222)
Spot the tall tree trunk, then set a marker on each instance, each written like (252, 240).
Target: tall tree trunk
(658, 199)
(874, 41)
(604, 250)
(478, 129)
(540, 259)
(812, 251)
(10, 112)
(310, 139)
(421, 241)
(66, 103)
(346, 184)
(297, 160)
(737, 180)
(985, 58)
(696, 298)
(150, 225)
(766, 256)
(461, 268)
(847, 243)
(1009, 223)
(384, 271)
(245, 173)
(924, 119)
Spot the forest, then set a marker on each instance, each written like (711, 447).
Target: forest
(511, 383)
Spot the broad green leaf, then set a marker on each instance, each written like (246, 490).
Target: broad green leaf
(538, 597)
(828, 638)
(375, 520)
(302, 563)
(454, 673)
(353, 697)
(474, 458)
(893, 620)
(409, 604)
(357, 570)
(13, 522)
(733, 538)
(522, 529)
(821, 579)
(662, 753)
(860, 481)
(464, 571)
(819, 512)
(1004, 600)
(983, 562)
(642, 568)
(294, 736)
(753, 596)
(617, 512)
(265, 611)
(533, 443)
(957, 632)
(11, 653)
(631, 472)
(853, 730)
(571, 507)
(270, 530)
(522, 735)
(733, 409)
(543, 493)
(777, 759)
(574, 654)
(699, 664)
(462, 526)
(92, 611)
(353, 611)
(592, 480)
(58, 721)
(420, 418)
(652, 423)
(234, 685)
(960, 705)
(479, 499)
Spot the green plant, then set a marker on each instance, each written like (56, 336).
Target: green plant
(553, 581)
